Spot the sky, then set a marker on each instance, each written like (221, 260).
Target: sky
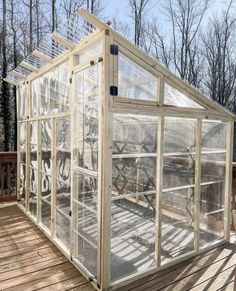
(120, 9)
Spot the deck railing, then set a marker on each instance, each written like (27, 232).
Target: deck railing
(8, 170)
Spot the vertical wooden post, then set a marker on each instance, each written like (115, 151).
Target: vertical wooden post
(159, 185)
(39, 174)
(228, 178)
(159, 172)
(105, 165)
(18, 150)
(53, 179)
(72, 62)
(197, 185)
(27, 161)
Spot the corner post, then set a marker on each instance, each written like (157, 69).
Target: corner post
(197, 185)
(105, 165)
(159, 172)
(228, 178)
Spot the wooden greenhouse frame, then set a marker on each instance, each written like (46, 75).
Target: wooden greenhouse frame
(129, 98)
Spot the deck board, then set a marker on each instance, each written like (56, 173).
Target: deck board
(212, 270)
(29, 260)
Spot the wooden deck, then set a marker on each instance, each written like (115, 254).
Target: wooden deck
(29, 261)
(212, 270)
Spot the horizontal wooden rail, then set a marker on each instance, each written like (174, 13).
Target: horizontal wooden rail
(8, 170)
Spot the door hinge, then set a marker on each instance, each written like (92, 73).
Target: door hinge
(114, 49)
(113, 90)
(70, 213)
(71, 80)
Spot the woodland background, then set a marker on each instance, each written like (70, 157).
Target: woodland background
(196, 45)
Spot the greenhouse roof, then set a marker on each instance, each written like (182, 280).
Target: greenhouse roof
(84, 26)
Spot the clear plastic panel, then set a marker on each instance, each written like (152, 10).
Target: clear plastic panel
(22, 101)
(46, 214)
(86, 55)
(133, 193)
(63, 180)
(177, 218)
(174, 97)
(46, 143)
(46, 183)
(85, 175)
(213, 136)
(63, 149)
(50, 92)
(33, 192)
(213, 171)
(179, 152)
(22, 186)
(134, 82)
(63, 228)
(33, 144)
(86, 231)
(85, 138)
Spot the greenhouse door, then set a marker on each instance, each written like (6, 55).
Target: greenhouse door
(85, 144)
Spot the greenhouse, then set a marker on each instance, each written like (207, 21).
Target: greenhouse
(123, 165)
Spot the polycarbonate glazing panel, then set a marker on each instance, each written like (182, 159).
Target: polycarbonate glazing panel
(213, 136)
(50, 92)
(46, 214)
(213, 171)
(86, 55)
(63, 207)
(33, 144)
(46, 201)
(63, 196)
(174, 97)
(22, 129)
(33, 180)
(132, 235)
(22, 186)
(179, 136)
(179, 152)
(134, 154)
(46, 143)
(63, 228)
(177, 224)
(212, 213)
(33, 204)
(85, 115)
(134, 173)
(134, 82)
(213, 168)
(22, 101)
(86, 225)
(46, 187)
(63, 149)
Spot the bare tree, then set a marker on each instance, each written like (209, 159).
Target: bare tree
(5, 90)
(219, 43)
(71, 7)
(53, 15)
(138, 8)
(185, 17)
(159, 47)
(94, 6)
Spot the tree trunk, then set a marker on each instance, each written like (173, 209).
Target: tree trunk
(5, 90)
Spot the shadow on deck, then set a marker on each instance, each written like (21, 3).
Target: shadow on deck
(29, 261)
(212, 270)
